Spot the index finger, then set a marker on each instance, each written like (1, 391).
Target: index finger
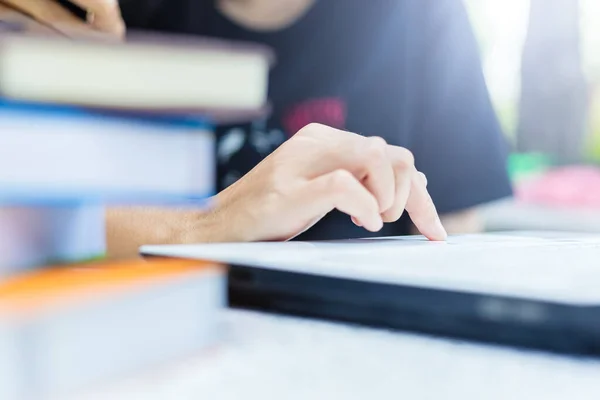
(422, 211)
(419, 204)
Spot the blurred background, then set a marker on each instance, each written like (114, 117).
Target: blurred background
(542, 67)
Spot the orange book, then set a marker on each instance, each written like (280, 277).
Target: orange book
(77, 326)
(41, 290)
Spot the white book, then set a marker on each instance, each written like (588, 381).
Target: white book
(68, 330)
(10, 364)
(69, 155)
(162, 73)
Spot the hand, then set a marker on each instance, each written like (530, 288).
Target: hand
(105, 16)
(316, 171)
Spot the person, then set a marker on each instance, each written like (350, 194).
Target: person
(406, 71)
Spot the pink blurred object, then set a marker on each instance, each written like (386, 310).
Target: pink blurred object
(577, 186)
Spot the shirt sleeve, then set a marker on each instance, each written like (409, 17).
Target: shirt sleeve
(458, 142)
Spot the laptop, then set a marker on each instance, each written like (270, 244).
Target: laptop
(526, 289)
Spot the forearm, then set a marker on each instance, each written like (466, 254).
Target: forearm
(128, 228)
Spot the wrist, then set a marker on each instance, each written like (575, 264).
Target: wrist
(207, 225)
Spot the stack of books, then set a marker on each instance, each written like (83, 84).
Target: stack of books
(89, 124)
(85, 124)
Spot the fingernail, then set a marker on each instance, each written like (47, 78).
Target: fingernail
(377, 224)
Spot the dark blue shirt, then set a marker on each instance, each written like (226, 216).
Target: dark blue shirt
(406, 70)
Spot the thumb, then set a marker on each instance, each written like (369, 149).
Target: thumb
(103, 15)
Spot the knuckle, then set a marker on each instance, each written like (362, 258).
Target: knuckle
(393, 214)
(312, 130)
(313, 126)
(422, 177)
(377, 148)
(378, 140)
(406, 158)
(340, 180)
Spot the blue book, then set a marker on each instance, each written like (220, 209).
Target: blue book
(62, 155)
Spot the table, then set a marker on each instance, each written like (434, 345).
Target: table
(272, 357)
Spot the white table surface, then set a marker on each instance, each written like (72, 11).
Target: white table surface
(271, 357)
